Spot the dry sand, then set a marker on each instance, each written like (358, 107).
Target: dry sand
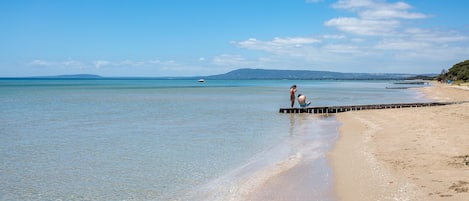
(405, 154)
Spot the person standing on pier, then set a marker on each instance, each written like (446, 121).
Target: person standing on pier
(292, 95)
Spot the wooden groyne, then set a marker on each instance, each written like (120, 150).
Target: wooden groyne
(418, 82)
(337, 109)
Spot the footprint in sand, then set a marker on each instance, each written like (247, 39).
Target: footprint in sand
(460, 187)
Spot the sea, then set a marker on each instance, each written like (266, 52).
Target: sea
(155, 139)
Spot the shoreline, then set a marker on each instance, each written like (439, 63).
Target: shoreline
(295, 169)
(305, 174)
(405, 154)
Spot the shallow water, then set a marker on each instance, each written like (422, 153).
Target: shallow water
(159, 139)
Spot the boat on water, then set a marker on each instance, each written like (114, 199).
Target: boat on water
(201, 80)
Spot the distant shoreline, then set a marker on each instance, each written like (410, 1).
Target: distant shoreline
(175, 78)
(256, 74)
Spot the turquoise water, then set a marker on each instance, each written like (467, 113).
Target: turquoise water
(161, 139)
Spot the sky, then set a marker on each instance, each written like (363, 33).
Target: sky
(207, 37)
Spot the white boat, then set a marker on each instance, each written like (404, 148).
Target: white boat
(201, 80)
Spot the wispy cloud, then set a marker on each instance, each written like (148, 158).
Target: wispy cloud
(277, 44)
(373, 17)
(364, 26)
(282, 46)
(231, 60)
(108, 67)
(70, 63)
(377, 32)
(38, 62)
(366, 36)
(101, 63)
(98, 64)
(376, 9)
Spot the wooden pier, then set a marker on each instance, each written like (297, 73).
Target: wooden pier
(337, 109)
(417, 82)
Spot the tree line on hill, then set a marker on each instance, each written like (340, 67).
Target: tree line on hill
(248, 73)
(459, 72)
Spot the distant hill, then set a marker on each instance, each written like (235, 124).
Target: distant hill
(266, 74)
(248, 73)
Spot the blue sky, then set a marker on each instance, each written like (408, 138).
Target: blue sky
(205, 37)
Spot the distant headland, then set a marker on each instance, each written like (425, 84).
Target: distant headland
(266, 74)
(247, 73)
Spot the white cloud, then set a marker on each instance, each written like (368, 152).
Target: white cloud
(362, 26)
(70, 63)
(353, 4)
(289, 45)
(390, 14)
(379, 36)
(379, 9)
(39, 62)
(100, 63)
(435, 36)
(154, 61)
(151, 67)
(327, 36)
(128, 62)
(277, 42)
(373, 17)
(230, 60)
(295, 41)
(342, 48)
(401, 44)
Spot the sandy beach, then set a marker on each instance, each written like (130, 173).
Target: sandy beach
(405, 154)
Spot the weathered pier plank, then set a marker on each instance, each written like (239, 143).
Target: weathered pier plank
(337, 109)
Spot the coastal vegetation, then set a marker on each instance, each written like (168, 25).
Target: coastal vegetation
(459, 73)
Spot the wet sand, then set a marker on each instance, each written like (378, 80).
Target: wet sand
(405, 154)
(309, 177)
